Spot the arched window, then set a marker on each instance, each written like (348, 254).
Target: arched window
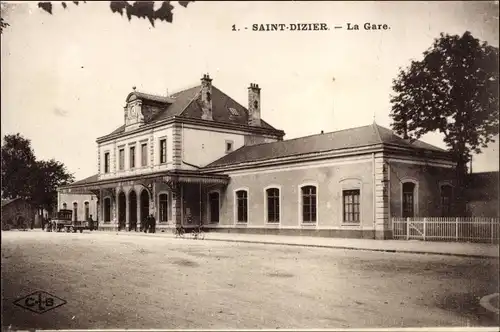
(87, 211)
(75, 211)
(446, 199)
(163, 202)
(242, 206)
(273, 205)
(408, 199)
(309, 204)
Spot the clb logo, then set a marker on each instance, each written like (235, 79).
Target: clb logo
(40, 302)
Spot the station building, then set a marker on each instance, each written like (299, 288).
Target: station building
(198, 156)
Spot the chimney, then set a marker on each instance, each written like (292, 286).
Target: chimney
(206, 97)
(254, 105)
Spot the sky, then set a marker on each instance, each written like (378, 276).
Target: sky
(65, 77)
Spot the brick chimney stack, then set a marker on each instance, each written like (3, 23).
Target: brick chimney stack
(206, 97)
(254, 105)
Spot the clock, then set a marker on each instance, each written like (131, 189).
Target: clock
(133, 110)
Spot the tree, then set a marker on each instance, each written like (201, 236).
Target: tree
(49, 176)
(139, 9)
(452, 90)
(18, 162)
(23, 176)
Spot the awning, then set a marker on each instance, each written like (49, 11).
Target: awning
(175, 176)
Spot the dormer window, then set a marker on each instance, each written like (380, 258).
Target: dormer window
(233, 111)
(229, 146)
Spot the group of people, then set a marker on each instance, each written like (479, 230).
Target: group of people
(149, 224)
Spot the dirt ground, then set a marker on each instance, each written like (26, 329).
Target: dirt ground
(114, 281)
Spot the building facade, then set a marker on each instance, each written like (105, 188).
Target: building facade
(17, 213)
(199, 157)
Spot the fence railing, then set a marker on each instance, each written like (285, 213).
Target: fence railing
(473, 229)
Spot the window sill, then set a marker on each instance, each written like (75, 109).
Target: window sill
(351, 224)
(272, 223)
(309, 224)
(239, 223)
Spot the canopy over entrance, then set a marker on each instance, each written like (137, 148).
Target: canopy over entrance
(172, 178)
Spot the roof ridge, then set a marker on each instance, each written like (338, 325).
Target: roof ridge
(377, 131)
(196, 95)
(183, 90)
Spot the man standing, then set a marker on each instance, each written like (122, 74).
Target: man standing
(145, 224)
(91, 223)
(152, 223)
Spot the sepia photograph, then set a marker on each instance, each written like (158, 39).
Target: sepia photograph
(250, 165)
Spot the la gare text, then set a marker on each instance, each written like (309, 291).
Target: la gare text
(313, 27)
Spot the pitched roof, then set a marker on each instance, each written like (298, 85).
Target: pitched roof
(186, 103)
(89, 179)
(8, 201)
(349, 138)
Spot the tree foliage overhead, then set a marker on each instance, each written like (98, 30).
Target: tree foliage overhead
(24, 176)
(453, 90)
(139, 9)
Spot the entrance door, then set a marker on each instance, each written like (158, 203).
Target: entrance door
(121, 211)
(144, 205)
(132, 215)
(213, 200)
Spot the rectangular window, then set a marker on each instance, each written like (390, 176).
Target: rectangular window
(132, 157)
(106, 162)
(163, 200)
(229, 146)
(163, 151)
(144, 154)
(309, 204)
(242, 206)
(351, 205)
(273, 205)
(121, 159)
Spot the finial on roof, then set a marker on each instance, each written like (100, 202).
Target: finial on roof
(133, 88)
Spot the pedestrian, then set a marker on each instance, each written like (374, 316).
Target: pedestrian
(152, 223)
(91, 223)
(144, 225)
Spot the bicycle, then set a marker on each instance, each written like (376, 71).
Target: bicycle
(198, 233)
(179, 231)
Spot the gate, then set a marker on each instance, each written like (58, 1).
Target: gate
(473, 229)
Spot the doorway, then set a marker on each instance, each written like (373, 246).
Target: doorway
(144, 205)
(121, 211)
(214, 206)
(132, 215)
